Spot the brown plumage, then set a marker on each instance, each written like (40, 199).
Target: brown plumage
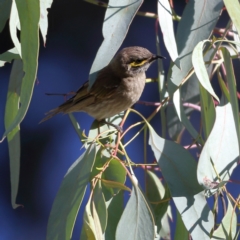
(117, 87)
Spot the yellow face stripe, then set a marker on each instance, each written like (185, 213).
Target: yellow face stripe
(138, 64)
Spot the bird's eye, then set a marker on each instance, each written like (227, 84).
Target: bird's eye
(138, 62)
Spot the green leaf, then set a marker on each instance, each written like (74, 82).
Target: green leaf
(136, 221)
(118, 18)
(77, 127)
(29, 14)
(8, 56)
(159, 199)
(182, 116)
(117, 185)
(43, 24)
(233, 8)
(115, 210)
(166, 25)
(189, 94)
(207, 111)
(231, 80)
(236, 36)
(108, 132)
(197, 22)
(12, 106)
(13, 25)
(5, 6)
(70, 196)
(181, 231)
(179, 170)
(223, 87)
(113, 173)
(228, 227)
(200, 69)
(100, 206)
(88, 230)
(216, 159)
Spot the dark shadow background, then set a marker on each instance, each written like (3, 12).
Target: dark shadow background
(49, 149)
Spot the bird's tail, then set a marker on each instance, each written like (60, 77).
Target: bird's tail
(50, 114)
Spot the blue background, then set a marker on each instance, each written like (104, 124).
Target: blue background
(49, 149)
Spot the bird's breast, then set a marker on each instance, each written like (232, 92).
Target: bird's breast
(132, 88)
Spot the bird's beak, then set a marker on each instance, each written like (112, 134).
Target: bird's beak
(155, 57)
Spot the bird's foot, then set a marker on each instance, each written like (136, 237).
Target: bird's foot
(119, 128)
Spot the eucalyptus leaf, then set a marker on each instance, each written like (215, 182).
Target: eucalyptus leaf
(217, 161)
(228, 226)
(13, 23)
(29, 15)
(200, 69)
(115, 210)
(231, 80)
(166, 24)
(179, 171)
(118, 17)
(70, 195)
(233, 8)
(8, 56)
(136, 222)
(5, 6)
(12, 107)
(43, 24)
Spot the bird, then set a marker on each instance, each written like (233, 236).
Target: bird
(117, 87)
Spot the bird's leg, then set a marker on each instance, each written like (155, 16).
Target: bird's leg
(119, 128)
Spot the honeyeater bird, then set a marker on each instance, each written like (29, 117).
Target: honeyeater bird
(117, 87)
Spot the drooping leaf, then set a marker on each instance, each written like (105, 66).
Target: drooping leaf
(115, 209)
(165, 230)
(159, 199)
(189, 94)
(88, 230)
(100, 206)
(182, 116)
(5, 6)
(29, 15)
(70, 196)
(76, 127)
(232, 90)
(115, 173)
(200, 69)
(223, 86)
(118, 18)
(197, 22)
(108, 132)
(181, 231)
(43, 24)
(12, 106)
(207, 111)
(217, 160)
(166, 24)
(233, 8)
(236, 36)
(179, 170)
(115, 185)
(228, 226)
(13, 23)
(8, 56)
(136, 222)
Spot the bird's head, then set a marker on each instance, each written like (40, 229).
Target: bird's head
(133, 60)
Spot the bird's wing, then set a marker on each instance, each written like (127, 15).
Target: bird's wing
(104, 87)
